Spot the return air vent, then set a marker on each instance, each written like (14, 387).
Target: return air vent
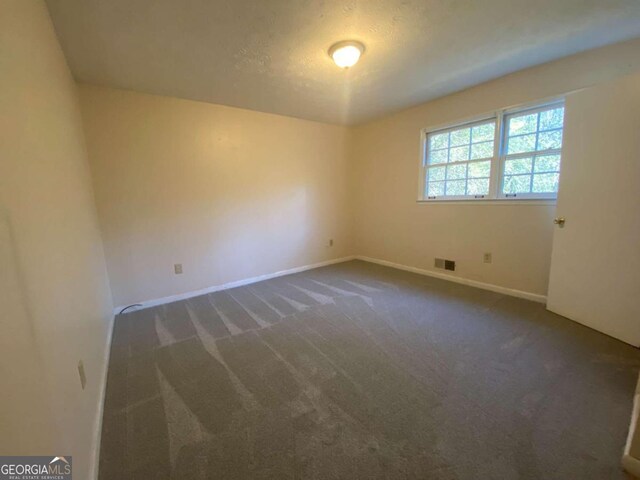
(445, 264)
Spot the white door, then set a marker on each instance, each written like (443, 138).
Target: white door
(595, 264)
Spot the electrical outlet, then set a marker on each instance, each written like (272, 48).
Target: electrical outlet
(330, 243)
(177, 268)
(487, 258)
(83, 377)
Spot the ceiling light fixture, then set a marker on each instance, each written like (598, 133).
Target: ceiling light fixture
(346, 54)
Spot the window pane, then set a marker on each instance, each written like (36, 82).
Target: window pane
(471, 150)
(481, 150)
(524, 143)
(435, 189)
(528, 133)
(523, 124)
(438, 156)
(440, 140)
(455, 187)
(460, 137)
(478, 186)
(480, 169)
(482, 133)
(549, 140)
(517, 184)
(456, 171)
(436, 173)
(545, 183)
(518, 165)
(459, 154)
(547, 163)
(552, 119)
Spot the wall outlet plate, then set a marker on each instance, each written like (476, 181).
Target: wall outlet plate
(177, 268)
(487, 258)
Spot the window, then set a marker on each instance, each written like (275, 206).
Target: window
(459, 160)
(472, 161)
(531, 157)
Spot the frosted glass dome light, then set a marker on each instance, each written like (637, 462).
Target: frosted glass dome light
(346, 54)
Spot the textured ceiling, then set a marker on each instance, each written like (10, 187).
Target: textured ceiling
(271, 55)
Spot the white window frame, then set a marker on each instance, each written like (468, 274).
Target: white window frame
(497, 162)
(447, 130)
(535, 153)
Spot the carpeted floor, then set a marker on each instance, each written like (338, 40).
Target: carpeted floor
(357, 371)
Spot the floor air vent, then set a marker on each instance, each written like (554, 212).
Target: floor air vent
(445, 264)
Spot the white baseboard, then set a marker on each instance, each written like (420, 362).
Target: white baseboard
(464, 281)
(247, 281)
(97, 427)
(237, 283)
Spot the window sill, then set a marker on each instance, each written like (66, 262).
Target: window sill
(493, 201)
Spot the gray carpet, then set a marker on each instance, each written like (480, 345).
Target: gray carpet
(357, 371)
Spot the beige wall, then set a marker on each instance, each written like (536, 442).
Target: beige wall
(391, 226)
(233, 194)
(54, 293)
(229, 193)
